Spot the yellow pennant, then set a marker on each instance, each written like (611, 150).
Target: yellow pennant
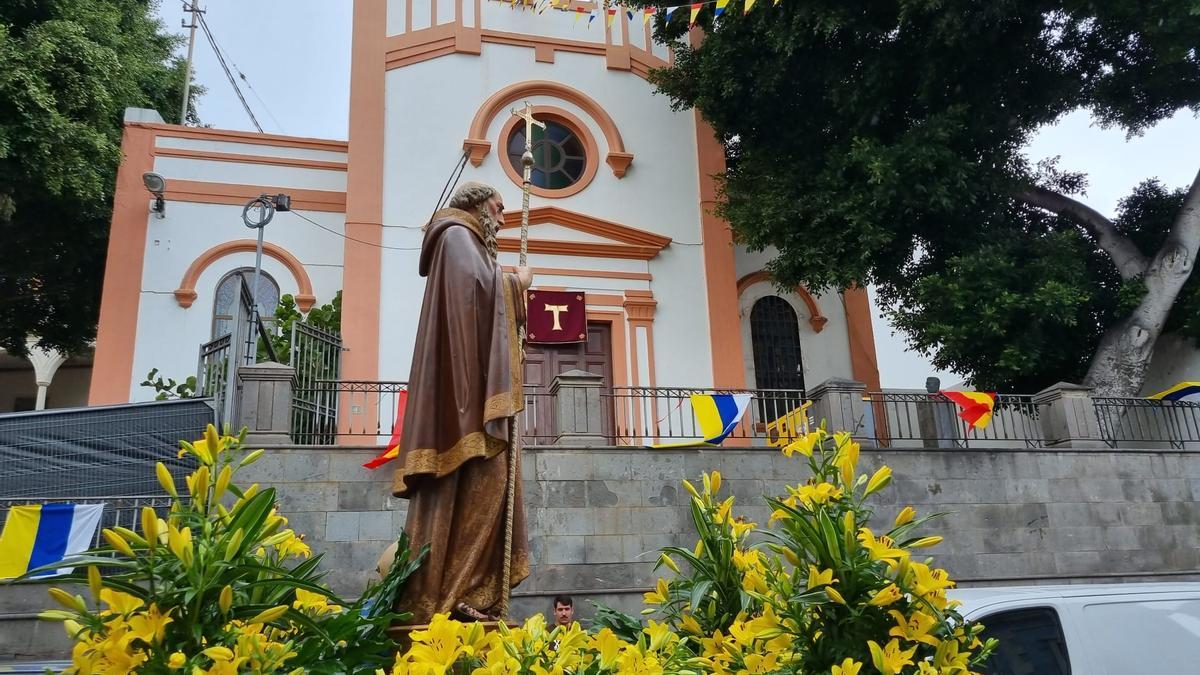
(750, 3)
(696, 11)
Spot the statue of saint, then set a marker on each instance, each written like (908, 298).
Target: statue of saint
(465, 387)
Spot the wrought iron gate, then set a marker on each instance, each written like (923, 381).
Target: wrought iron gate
(317, 357)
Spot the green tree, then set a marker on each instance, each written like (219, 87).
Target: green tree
(68, 70)
(880, 142)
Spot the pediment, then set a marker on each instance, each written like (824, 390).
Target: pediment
(557, 231)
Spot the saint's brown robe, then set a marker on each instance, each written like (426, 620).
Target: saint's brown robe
(464, 386)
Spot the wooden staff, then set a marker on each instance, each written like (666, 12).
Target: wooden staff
(514, 433)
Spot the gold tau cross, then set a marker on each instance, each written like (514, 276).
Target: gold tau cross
(556, 310)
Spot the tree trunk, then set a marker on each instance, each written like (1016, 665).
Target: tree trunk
(1122, 359)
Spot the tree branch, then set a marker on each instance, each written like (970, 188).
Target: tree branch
(1125, 255)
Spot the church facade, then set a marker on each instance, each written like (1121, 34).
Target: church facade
(620, 211)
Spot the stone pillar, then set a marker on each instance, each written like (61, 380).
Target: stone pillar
(840, 404)
(265, 408)
(45, 365)
(1068, 417)
(579, 414)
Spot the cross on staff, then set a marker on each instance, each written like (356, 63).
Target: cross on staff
(526, 114)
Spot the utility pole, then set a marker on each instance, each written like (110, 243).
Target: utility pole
(193, 9)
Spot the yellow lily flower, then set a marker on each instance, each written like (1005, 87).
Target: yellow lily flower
(818, 578)
(659, 633)
(608, 646)
(176, 661)
(914, 628)
(803, 445)
(659, 595)
(149, 626)
(119, 603)
(848, 667)
(882, 548)
(886, 596)
(690, 624)
(723, 510)
(890, 660)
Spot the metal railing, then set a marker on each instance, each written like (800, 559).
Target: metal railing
(124, 511)
(365, 412)
(1148, 423)
(369, 411)
(910, 419)
(653, 415)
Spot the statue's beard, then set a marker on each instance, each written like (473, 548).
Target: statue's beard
(489, 233)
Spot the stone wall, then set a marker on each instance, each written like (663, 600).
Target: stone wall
(597, 516)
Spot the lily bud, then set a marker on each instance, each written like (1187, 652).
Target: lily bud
(226, 600)
(94, 583)
(666, 560)
(268, 615)
(150, 526)
(926, 542)
(251, 458)
(222, 482)
(129, 535)
(905, 516)
(67, 600)
(165, 479)
(114, 540)
(235, 542)
(879, 481)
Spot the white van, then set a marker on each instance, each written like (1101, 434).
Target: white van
(1089, 629)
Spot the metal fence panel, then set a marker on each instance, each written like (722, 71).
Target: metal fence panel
(96, 452)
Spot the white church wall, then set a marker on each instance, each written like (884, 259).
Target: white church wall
(551, 23)
(825, 354)
(395, 16)
(249, 149)
(659, 194)
(169, 335)
(250, 174)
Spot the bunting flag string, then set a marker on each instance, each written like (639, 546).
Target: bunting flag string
(611, 11)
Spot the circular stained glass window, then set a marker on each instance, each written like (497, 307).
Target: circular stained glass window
(558, 156)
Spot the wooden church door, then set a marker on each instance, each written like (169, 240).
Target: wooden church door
(544, 361)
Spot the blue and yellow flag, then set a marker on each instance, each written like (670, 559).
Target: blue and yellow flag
(1188, 392)
(41, 534)
(717, 414)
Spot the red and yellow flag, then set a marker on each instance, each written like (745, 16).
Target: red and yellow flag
(974, 407)
(393, 446)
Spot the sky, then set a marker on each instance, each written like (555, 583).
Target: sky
(295, 55)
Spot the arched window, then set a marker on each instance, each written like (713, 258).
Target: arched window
(224, 308)
(775, 339)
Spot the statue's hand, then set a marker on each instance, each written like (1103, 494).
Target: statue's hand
(525, 277)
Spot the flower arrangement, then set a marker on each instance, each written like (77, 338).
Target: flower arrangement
(817, 592)
(220, 585)
(214, 589)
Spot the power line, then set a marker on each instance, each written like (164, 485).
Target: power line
(224, 66)
(249, 86)
(346, 236)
